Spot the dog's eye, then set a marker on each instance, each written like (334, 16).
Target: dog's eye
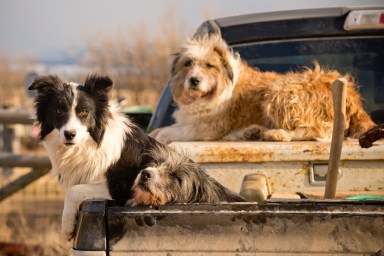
(59, 111)
(83, 113)
(188, 63)
(209, 65)
(175, 177)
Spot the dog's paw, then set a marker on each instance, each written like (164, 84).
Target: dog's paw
(71, 207)
(253, 133)
(67, 227)
(74, 197)
(154, 133)
(131, 203)
(68, 236)
(276, 135)
(163, 135)
(68, 220)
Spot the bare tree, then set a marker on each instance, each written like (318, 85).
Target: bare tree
(138, 59)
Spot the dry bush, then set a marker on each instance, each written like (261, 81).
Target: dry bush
(39, 239)
(139, 61)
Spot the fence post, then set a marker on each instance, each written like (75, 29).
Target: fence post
(8, 137)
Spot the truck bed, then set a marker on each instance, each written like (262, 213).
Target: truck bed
(289, 227)
(294, 220)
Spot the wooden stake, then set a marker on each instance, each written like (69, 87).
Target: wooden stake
(339, 92)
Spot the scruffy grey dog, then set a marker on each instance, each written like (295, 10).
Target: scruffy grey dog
(177, 179)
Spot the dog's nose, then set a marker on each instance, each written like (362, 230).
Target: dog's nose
(194, 82)
(146, 175)
(69, 135)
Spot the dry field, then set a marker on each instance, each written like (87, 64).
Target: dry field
(30, 220)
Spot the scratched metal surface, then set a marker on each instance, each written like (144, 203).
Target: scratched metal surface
(311, 227)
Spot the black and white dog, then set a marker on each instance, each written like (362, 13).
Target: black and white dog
(97, 152)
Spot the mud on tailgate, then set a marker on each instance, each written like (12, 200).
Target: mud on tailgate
(277, 227)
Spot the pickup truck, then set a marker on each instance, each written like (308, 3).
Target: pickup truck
(292, 218)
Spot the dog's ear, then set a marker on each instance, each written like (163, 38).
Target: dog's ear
(175, 60)
(223, 53)
(46, 87)
(42, 83)
(98, 85)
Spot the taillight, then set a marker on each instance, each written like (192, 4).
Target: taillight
(365, 19)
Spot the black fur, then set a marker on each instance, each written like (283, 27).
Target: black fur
(98, 88)
(49, 88)
(134, 158)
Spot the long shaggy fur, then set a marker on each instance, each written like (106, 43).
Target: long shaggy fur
(174, 178)
(220, 97)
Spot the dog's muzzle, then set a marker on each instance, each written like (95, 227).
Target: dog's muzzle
(145, 176)
(194, 83)
(69, 135)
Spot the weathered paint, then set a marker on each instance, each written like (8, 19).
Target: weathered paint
(358, 177)
(224, 152)
(287, 165)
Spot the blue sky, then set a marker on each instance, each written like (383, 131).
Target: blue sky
(41, 28)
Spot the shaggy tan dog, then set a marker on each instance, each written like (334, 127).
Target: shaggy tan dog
(220, 97)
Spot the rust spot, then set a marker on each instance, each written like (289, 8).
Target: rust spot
(232, 154)
(224, 152)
